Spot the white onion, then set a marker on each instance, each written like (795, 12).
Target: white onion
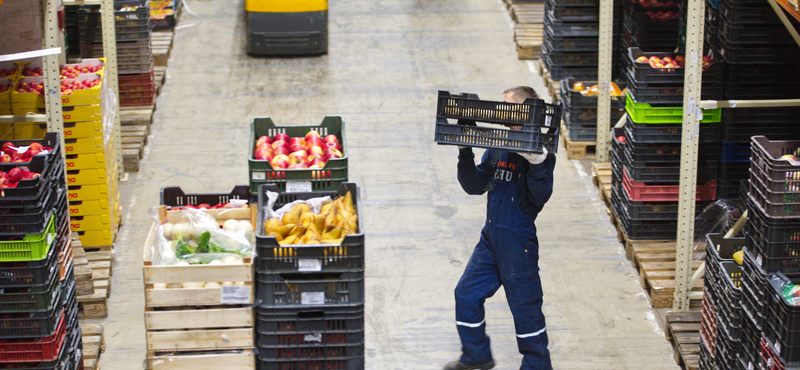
(166, 229)
(231, 260)
(244, 226)
(230, 225)
(215, 262)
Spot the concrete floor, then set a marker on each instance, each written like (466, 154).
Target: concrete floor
(387, 59)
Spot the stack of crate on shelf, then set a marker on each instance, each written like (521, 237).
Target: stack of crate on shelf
(721, 326)
(199, 316)
(648, 25)
(770, 321)
(39, 325)
(310, 311)
(646, 168)
(580, 107)
(163, 13)
(134, 50)
(571, 30)
(9, 72)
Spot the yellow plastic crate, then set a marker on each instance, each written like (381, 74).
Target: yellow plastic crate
(29, 130)
(78, 97)
(87, 62)
(87, 192)
(86, 145)
(95, 238)
(86, 161)
(93, 222)
(75, 130)
(87, 177)
(78, 113)
(5, 96)
(89, 207)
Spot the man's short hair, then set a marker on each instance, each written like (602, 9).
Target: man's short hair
(522, 92)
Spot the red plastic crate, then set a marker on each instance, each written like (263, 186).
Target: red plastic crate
(641, 192)
(40, 350)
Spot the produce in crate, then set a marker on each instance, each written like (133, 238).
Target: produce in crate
(314, 221)
(11, 178)
(677, 61)
(199, 238)
(237, 204)
(10, 153)
(4, 87)
(73, 72)
(30, 72)
(613, 89)
(67, 86)
(311, 151)
(7, 72)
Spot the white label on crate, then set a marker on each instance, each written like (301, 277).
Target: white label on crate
(309, 298)
(309, 264)
(547, 121)
(259, 176)
(230, 294)
(314, 338)
(758, 260)
(777, 347)
(750, 366)
(49, 238)
(238, 202)
(298, 186)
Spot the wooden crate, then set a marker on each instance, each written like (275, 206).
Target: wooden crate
(184, 324)
(683, 331)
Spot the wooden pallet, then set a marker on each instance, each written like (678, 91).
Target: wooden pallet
(578, 149)
(242, 360)
(529, 39)
(683, 331)
(160, 74)
(101, 265)
(162, 46)
(601, 176)
(135, 137)
(141, 115)
(84, 285)
(93, 345)
(531, 13)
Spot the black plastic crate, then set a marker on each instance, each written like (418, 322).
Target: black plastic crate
(574, 99)
(642, 72)
(726, 353)
(287, 328)
(771, 255)
(705, 360)
(32, 324)
(763, 54)
(30, 274)
(764, 74)
(728, 190)
(668, 133)
(346, 363)
(650, 39)
(644, 211)
(755, 35)
(540, 123)
(751, 338)
(663, 152)
(570, 59)
(572, 13)
(666, 173)
(567, 42)
(46, 165)
(173, 196)
(579, 131)
(783, 322)
(777, 204)
(273, 257)
(31, 299)
(561, 28)
(741, 133)
(21, 221)
(720, 249)
(756, 90)
(670, 94)
(754, 290)
(748, 13)
(646, 20)
(560, 72)
(317, 288)
(645, 230)
(734, 172)
(733, 153)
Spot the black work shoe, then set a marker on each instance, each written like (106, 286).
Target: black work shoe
(458, 365)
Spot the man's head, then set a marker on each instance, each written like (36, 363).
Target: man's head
(518, 95)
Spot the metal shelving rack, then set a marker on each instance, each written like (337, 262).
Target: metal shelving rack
(684, 280)
(49, 55)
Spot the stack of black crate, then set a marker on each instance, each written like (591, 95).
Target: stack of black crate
(770, 323)
(571, 31)
(762, 62)
(580, 109)
(649, 25)
(310, 308)
(39, 326)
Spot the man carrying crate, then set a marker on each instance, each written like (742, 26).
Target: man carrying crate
(519, 184)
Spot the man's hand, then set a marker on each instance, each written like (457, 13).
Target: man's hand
(535, 158)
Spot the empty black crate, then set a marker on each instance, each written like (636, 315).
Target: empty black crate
(668, 133)
(572, 13)
(303, 289)
(558, 72)
(763, 73)
(173, 196)
(748, 13)
(540, 123)
(738, 53)
(570, 58)
(310, 326)
(566, 42)
(666, 173)
(645, 230)
(663, 152)
(644, 211)
(754, 290)
(754, 35)
(776, 242)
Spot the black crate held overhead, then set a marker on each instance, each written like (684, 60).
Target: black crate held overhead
(273, 257)
(540, 123)
(174, 196)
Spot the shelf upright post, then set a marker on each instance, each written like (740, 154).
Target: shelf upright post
(604, 66)
(692, 115)
(52, 81)
(110, 53)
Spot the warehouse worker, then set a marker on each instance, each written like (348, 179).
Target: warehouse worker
(519, 184)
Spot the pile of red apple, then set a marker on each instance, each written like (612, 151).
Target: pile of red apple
(4, 87)
(30, 72)
(654, 3)
(67, 87)
(678, 61)
(663, 15)
(311, 151)
(7, 72)
(12, 178)
(73, 72)
(10, 153)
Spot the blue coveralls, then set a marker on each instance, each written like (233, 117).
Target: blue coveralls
(507, 254)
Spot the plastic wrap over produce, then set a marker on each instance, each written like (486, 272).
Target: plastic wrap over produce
(314, 205)
(108, 104)
(717, 217)
(790, 292)
(195, 237)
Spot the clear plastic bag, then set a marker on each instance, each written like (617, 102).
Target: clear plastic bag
(314, 204)
(717, 217)
(790, 292)
(195, 237)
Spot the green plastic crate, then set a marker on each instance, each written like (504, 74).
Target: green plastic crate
(31, 248)
(303, 180)
(646, 113)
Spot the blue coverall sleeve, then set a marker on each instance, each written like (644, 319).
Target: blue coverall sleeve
(540, 181)
(473, 179)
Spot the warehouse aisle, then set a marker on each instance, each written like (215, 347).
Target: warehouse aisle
(387, 60)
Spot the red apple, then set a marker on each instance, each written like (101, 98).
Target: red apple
(298, 165)
(330, 138)
(298, 157)
(8, 148)
(641, 59)
(5, 158)
(297, 140)
(316, 150)
(281, 136)
(334, 145)
(312, 133)
(316, 161)
(264, 146)
(296, 147)
(680, 58)
(280, 161)
(15, 175)
(329, 152)
(280, 143)
(314, 141)
(281, 150)
(263, 153)
(312, 157)
(264, 140)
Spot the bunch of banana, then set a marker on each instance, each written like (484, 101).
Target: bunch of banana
(301, 226)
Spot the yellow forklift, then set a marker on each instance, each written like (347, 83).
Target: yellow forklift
(287, 27)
